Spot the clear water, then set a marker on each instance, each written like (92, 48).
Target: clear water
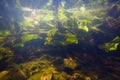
(59, 40)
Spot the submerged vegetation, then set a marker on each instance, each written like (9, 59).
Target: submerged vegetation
(112, 45)
(60, 40)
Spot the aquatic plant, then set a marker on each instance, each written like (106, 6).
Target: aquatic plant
(12, 75)
(28, 37)
(73, 29)
(25, 38)
(63, 39)
(112, 45)
(26, 24)
(48, 17)
(39, 69)
(69, 62)
(5, 32)
(96, 2)
(5, 53)
(35, 76)
(70, 39)
(60, 76)
(50, 36)
(84, 28)
(62, 16)
(3, 35)
(4, 75)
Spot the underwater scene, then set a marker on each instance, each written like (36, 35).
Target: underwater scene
(59, 39)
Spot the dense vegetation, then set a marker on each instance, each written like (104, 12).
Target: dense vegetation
(64, 40)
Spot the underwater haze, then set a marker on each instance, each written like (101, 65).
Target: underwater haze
(59, 39)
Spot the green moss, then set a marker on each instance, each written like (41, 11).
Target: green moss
(39, 69)
(28, 37)
(60, 76)
(26, 24)
(112, 45)
(62, 16)
(69, 62)
(41, 76)
(16, 74)
(71, 39)
(19, 45)
(39, 65)
(50, 36)
(84, 28)
(4, 33)
(5, 52)
(1, 39)
(35, 77)
(48, 17)
(64, 39)
(75, 15)
(52, 32)
(50, 69)
(48, 41)
(25, 38)
(4, 75)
